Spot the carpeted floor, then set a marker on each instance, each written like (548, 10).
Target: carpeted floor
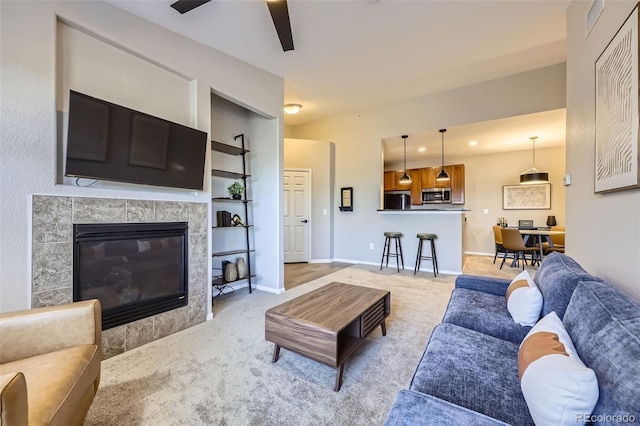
(220, 372)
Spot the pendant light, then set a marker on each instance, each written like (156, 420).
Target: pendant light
(405, 177)
(533, 175)
(442, 176)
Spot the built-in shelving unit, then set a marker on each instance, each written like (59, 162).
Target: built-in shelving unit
(246, 250)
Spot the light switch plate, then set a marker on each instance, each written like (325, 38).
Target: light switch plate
(566, 180)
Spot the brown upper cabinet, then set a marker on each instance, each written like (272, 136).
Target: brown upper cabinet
(424, 178)
(392, 181)
(457, 184)
(428, 177)
(444, 183)
(416, 186)
(389, 181)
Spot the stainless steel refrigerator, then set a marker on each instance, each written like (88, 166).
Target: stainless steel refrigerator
(397, 201)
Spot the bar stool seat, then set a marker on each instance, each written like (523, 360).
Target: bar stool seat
(387, 247)
(434, 259)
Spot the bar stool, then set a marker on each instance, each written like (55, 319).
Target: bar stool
(434, 259)
(387, 246)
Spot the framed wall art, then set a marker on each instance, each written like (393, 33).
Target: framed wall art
(526, 197)
(616, 147)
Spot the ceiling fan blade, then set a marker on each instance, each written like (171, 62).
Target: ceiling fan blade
(280, 16)
(183, 6)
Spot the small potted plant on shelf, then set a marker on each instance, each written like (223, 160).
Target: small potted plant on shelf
(236, 190)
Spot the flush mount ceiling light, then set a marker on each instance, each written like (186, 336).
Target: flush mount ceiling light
(405, 177)
(442, 175)
(292, 108)
(533, 175)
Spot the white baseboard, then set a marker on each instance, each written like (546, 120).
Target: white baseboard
(320, 261)
(270, 289)
(406, 267)
(479, 253)
(355, 262)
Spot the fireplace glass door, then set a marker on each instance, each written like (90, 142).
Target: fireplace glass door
(135, 269)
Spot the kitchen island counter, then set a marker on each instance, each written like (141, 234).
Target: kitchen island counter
(447, 223)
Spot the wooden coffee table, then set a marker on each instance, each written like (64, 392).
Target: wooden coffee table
(328, 324)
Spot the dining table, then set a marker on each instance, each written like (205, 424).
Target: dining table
(539, 233)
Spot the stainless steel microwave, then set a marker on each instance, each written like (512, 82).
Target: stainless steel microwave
(436, 195)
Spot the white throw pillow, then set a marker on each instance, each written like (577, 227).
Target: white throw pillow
(524, 300)
(555, 382)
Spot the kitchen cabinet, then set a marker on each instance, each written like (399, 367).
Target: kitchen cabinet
(401, 186)
(456, 180)
(457, 184)
(428, 177)
(416, 186)
(425, 178)
(389, 181)
(392, 181)
(444, 183)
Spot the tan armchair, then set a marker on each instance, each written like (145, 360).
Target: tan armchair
(49, 364)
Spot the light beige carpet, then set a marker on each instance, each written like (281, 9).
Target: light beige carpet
(220, 372)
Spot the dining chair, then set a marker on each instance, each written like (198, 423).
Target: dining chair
(497, 238)
(512, 242)
(558, 241)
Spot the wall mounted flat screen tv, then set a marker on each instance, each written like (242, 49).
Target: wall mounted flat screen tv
(106, 141)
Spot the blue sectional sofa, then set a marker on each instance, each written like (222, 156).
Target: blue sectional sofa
(468, 373)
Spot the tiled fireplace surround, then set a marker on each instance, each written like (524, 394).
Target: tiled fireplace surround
(52, 259)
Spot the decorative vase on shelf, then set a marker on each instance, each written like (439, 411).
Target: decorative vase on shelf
(236, 196)
(230, 272)
(242, 268)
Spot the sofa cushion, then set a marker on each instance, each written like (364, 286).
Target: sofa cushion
(483, 312)
(473, 370)
(557, 278)
(524, 300)
(604, 325)
(419, 409)
(556, 384)
(57, 383)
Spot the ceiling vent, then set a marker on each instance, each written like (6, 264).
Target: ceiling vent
(592, 16)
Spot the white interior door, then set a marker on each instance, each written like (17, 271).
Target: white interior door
(297, 209)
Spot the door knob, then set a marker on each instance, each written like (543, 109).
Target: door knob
(304, 221)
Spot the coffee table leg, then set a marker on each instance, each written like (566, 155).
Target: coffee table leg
(339, 371)
(384, 328)
(276, 353)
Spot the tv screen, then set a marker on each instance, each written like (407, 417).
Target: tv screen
(106, 141)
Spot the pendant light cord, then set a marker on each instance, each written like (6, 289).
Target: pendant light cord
(442, 147)
(442, 150)
(533, 139)
(404, 138)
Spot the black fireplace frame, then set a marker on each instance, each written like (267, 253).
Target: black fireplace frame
(113, 317)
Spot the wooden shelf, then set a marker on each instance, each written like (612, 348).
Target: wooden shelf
(227, 174)
(241, 152)
(229, 200)
(227, 149)
(219, 280)
(230, 252)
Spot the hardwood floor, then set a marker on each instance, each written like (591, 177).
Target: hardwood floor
(300, 273)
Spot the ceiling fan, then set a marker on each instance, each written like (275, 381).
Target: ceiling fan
(277, 8)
